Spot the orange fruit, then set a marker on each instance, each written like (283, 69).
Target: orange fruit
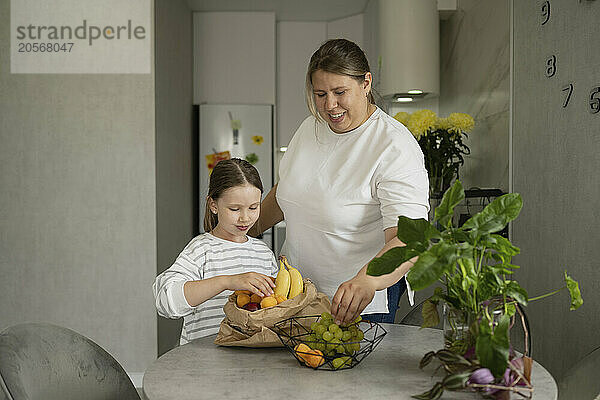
(237, 292)
(255, 298)
(280, 298)
(315, 359)
(242, 300)
(268, 301)
(303, 351)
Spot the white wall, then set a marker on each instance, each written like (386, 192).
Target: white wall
(296, 42)
(350, 28)
(77, 205)
(234, 57)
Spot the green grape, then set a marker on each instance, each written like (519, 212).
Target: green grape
(336, 341)
(337, 362)
(331, 346)
(330, 353)
(311, 338)
(340, 349)
(327, 336)
(338, 334)
(359, 335)
(349, 348)
(313, 326)
(319, 329)
(352, 328)
(326, 315)
(356, 346)
(346, 335)
(341, 361)
(334, 327)
(319, 346)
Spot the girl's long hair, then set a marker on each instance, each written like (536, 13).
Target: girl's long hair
(225, 175)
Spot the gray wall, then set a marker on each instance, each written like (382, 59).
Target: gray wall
(474, 79)
(77, 205)
(555, 168)
(176, 143)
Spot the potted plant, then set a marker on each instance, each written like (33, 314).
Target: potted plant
(473, 265)
(441, 140)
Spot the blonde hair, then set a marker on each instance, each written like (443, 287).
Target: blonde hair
(225, 175)
(338, 56)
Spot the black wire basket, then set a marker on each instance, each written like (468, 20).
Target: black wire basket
(297, 330)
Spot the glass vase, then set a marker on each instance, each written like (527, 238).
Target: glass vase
(459, 332)
(436, 186)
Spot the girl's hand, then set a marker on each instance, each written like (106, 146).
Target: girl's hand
(352, 297)
(260, 284)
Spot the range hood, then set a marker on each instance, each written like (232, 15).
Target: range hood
(409, 49)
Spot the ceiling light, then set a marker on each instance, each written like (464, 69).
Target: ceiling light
(283, 149)
(404, 99)
(415, 91)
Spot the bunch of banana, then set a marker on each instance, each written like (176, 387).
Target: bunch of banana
(289, 281)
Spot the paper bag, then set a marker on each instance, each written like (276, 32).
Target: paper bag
(255, 328)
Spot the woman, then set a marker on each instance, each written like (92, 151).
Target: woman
(350, 170)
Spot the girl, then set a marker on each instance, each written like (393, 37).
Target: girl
(224, 259)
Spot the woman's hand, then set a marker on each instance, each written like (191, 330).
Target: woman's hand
(352, 297)
(260, 284)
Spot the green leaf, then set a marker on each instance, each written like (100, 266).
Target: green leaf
(434, 393)
(492, 348)
(501, 245)
(431, 318)
(573, 286)
(495, 215)
(416, 233)
(460, 236)
(431, 265)
(511, 309)
(490, 285)
(456, 381)
(426, 359)
(390, 260)
(514, 290)
(452, 197)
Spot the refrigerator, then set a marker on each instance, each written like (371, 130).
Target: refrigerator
(236, 131)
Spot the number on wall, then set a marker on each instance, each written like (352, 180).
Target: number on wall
(545, 12)
(569, 90)
(595, 100)
(551, 66)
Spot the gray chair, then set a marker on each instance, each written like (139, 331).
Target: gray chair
(42, 361)
(581, 381)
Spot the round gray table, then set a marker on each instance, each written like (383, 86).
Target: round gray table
(203, 370)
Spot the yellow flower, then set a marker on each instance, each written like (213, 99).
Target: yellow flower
(442, 124)
(257, 140)
(421, 121)
(402, 117)
(460, 122)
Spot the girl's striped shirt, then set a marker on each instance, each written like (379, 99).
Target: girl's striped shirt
(204, 257)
